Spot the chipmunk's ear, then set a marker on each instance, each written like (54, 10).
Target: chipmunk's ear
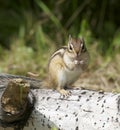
(82, 44)
(70, 46)
(70, 37)
(82, 40)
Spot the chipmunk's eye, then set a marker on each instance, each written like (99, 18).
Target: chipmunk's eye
(83, 48)
(70, 48)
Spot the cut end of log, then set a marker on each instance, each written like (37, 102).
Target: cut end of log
(16, 101)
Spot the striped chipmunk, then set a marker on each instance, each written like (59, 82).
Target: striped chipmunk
(66, 65)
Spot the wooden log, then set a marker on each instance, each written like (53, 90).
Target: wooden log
(83, 110)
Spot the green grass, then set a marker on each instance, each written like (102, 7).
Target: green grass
(32, 30)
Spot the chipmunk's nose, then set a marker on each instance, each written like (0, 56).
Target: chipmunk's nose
(78, 53)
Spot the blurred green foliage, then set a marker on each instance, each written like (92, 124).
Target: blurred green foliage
(30, 30)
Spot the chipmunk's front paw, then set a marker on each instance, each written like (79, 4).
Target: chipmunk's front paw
(64, 92)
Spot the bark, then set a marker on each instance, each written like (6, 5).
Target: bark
(83, 110)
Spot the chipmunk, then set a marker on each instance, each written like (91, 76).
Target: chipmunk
(66, 65)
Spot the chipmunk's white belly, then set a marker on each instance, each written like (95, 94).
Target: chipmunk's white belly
(67, 77)
(72, 76)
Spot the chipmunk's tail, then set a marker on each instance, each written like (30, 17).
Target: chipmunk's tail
(39, 84)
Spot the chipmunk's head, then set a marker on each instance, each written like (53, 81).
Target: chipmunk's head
(76, 46)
